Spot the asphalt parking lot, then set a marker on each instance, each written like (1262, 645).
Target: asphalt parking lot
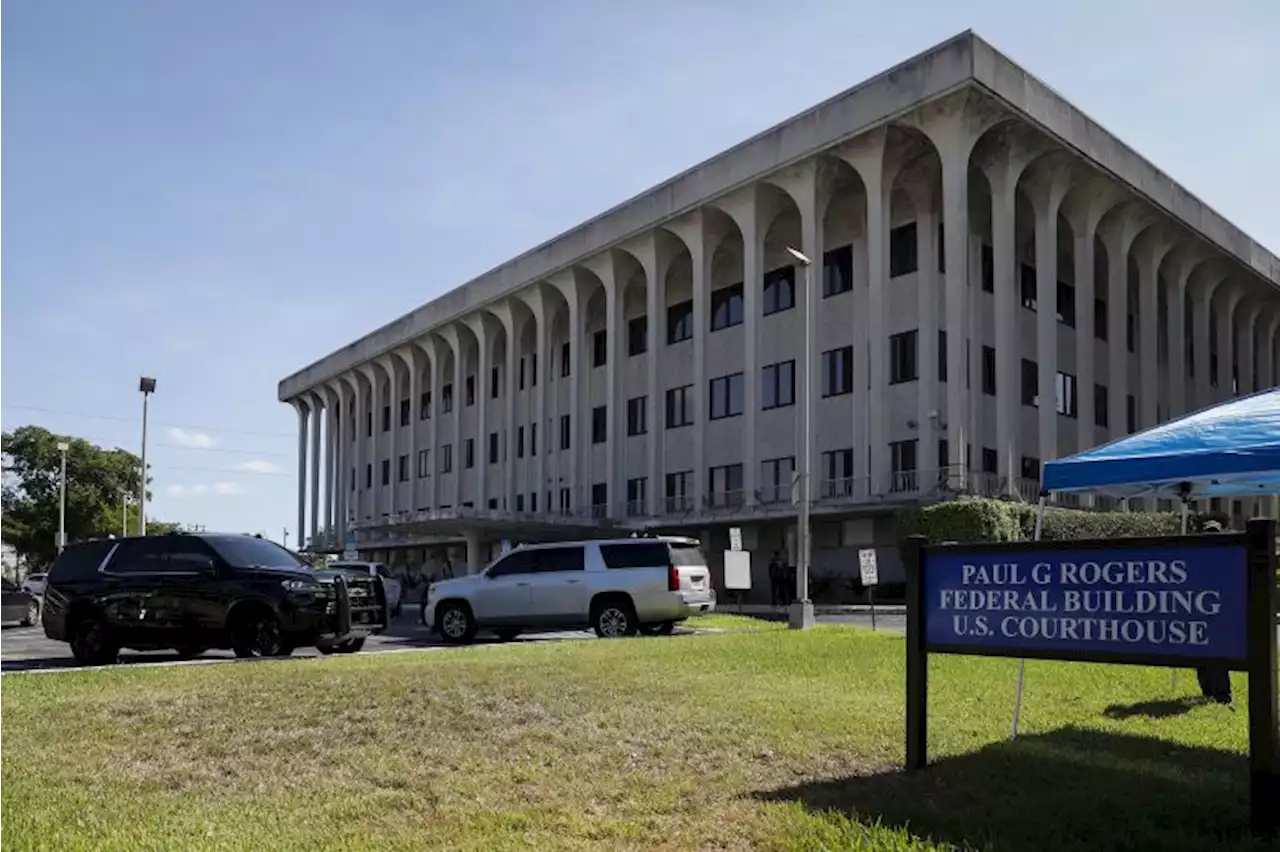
(27, 649)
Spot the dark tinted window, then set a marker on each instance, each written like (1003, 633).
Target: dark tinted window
(249, 551)
(558, 559)
(639, 555)
(382, 571)
(189, 554)
(79, 561)
(516, 562)
(8, 585)
(140, 556)
(687, 554)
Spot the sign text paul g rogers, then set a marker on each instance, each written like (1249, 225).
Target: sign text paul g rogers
(1187, 601)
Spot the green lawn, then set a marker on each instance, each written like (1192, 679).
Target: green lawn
(761, 739)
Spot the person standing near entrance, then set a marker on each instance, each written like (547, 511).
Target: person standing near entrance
(1215, 683)
(777, 580)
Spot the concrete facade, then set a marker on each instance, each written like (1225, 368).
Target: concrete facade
(991, 271)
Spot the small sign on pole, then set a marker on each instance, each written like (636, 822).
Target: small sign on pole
(735, 538)
(737, 573)
(870, 578)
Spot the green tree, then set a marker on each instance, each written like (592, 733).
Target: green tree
(96, 478)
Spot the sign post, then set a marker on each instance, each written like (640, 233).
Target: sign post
(1206, 601)
(737, 566)
(870, 578)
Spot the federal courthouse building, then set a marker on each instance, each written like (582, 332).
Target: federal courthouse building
(994, 280)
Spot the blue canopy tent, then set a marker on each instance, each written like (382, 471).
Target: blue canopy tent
(1228, 450)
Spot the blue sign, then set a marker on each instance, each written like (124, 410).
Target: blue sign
(1168, 600)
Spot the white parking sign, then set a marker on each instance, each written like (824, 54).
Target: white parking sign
(867, 561)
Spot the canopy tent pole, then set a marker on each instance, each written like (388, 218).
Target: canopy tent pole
(1186, 508)
(1022, 664)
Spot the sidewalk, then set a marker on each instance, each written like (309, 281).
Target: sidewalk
(726, 605)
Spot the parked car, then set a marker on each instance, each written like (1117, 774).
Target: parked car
(618, 587)
(33, 584)
(392, 585)
(195, 591)
(19, 605)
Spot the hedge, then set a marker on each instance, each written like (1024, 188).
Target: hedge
(979, 519)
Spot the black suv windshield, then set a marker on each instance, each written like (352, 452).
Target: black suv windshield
(250, 552)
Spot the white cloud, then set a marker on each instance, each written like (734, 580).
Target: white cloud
(259, 466)
(227, 488)
(187, 438)
(222, 489)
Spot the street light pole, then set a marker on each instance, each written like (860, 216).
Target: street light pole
(124, 512)
(801, 615)
(63, 446)
(148, 386)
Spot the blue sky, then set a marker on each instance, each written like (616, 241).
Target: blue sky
(218, 194)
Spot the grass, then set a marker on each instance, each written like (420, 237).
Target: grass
(761, 739)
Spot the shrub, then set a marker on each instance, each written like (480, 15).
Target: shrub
(979, 520)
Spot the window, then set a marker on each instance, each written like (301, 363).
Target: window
(386, 471)
(469, 453)
(726, 396)
(519, 502)
(353, 479)
(599, 498)
(902, 357)
(637, 555)
(368, 475)
(600, 348)
(679, 487)
(564, 500)
(726, 307)
(519, 442)
(726, 485)
(779, 290)
(471, 390)
(837, 371)
(424, 463)
(189, 555)
(566, 358)
(424, 406)
(775, 479)
(368, 424)
(942, 355)
(533, 501)
(902, 455)
(636, 489)
(837, 473)
(990, 460)
(988, 269)
(942, 248)
(637, 421)
(1028, 286)
(943, 449)
(446, 458)
(1100, 417)
(141, 556)
(520, 378)
(679, 407)
(599, 424)
(406, 411)
(515, 562)
(402, 468)
(1031, 468)
(493, 448)
(386, 418)
(680, 322)
(552, 559)
(1100, 318)
(989, 371)
(903, 258)
(565, 431)
(446, 398)
(1030, 383)
(495, 382)
(778, 385)
(1066, 304)
(638, 336)
(533, 439)
(1131, 413)
(837, 271)
(533, 370)
(1065, 395)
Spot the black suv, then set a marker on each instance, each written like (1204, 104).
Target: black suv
(195, 591)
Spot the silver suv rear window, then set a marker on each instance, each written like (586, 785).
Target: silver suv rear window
(640, 555)
(687, 555)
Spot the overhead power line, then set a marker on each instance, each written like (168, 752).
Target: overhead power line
(92, 415)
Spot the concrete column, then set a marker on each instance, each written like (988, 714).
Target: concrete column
(435, 363)
(701, 250)
(879, 218)
(482, 414)
(1225, 300)
(1246, 317)
(1266, 346)
(1201, 298)
(410, 359)
(317, 420)
(1004, 188)
(374, 495)
(1119, 230)
(955, 213)
(656, 334)
(569, 458)
(475, 555)
(1177, 367)
(752, 279)
(1150, 251)
(346, 457)
(394, 392)
(928, 296)
(459, 402)
(615, 435)
(333, 481)
(1084, 259)
(1047, 189)
(509, 415)
(361, 452)
(301, 407)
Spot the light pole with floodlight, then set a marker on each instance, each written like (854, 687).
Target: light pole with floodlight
(147, 386)
(801, 614)
(63, 446)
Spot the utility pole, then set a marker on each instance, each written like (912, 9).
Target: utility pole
(147, 386)
(63, 446)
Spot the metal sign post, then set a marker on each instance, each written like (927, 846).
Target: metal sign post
(870, 578)
(1185, 602)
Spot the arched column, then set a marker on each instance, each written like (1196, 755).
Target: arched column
(318, 412)
(1150, 249)
(1120, 228)
(300, 405)
(1225, 299)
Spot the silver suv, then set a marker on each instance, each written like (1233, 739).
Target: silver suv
(618, 587)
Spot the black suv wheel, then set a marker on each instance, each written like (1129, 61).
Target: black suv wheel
(92, 643)
(257, 634)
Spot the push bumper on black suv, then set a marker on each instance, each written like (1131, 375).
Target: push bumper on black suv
(356, 608)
